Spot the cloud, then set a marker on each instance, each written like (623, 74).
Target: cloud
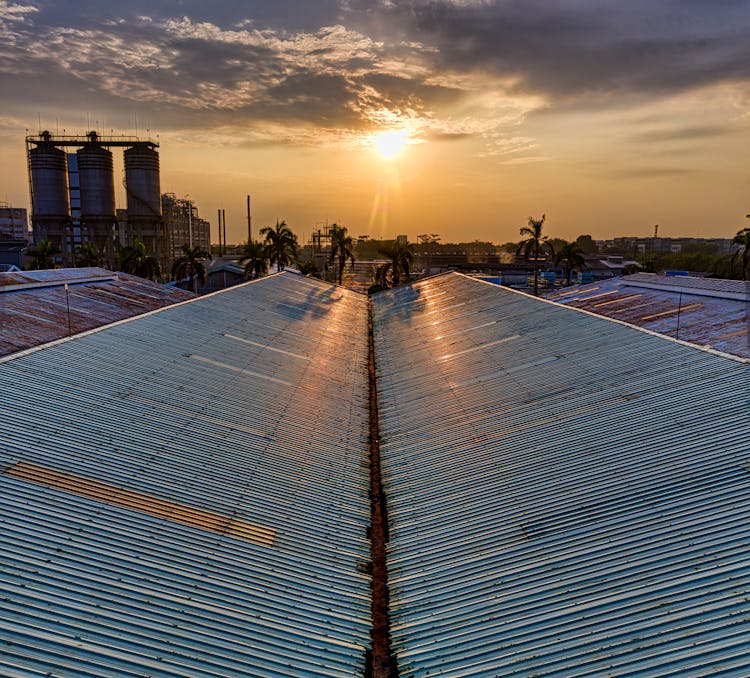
(15, 12)
(334, 80)
(443, 69)
(578, 49)
(684, 133)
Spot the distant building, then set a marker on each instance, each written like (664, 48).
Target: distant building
(183, 226)
(600, 267)
(14, 223)
(12, 253)
(632, 246)
(222, 273)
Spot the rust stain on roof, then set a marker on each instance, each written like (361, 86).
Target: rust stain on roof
(671, 311)
(618, 300)
(143, 503)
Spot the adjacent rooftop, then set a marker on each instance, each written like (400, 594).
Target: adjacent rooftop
(37, 307)
(713, 313)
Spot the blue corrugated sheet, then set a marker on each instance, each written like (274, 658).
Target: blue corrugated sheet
(245, 407)
(568, 496)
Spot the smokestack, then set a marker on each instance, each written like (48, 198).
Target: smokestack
(224, 219)
(249, 221)
(218, 218)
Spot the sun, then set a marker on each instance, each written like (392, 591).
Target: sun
(390, 144)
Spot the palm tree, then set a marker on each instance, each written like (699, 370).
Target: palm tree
(533, 245)
(87, 255)
(43, 255)
(255, 258)
(190, 266)
(743, 240)
(341, 248)
(400, 257)
(136, 260)
(281, 243)
(570, 257)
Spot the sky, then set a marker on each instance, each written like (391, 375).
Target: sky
(607, 116)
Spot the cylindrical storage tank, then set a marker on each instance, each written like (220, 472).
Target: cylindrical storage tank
(97, 180)
(142, 183)
(49, 183)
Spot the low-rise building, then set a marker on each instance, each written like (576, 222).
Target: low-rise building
(14, 223)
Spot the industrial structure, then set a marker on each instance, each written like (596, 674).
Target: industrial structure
(73, 193)
(72, 186)
(183, 226)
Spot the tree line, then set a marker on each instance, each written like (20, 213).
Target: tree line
(279, 247)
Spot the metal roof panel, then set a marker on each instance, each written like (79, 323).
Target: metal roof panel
(163, 577)
(572, 502)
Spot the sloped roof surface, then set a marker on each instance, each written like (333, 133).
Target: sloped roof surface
(567, 496)
(740, 288)
(185, 493)
(706, 312)
(35, 308)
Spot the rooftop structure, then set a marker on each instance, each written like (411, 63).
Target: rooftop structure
(568, 496)
(185, 493)
(702, 311)
(41, 306)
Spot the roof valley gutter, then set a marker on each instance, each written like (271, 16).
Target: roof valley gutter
(380, 663)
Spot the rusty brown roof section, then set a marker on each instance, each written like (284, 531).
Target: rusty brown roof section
(691, 310)
(34, 304)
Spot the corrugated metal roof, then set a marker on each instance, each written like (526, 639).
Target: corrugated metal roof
(567, 496)
(185, 493)
(739, 289)
(702, 311)
(34, 305)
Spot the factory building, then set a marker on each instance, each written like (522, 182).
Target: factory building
(72, 186)
(183, 225)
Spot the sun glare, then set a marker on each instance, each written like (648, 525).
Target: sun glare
(390, 144)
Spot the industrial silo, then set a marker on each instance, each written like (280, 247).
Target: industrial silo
(97, 182)
(144, 198)
(50, 198)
